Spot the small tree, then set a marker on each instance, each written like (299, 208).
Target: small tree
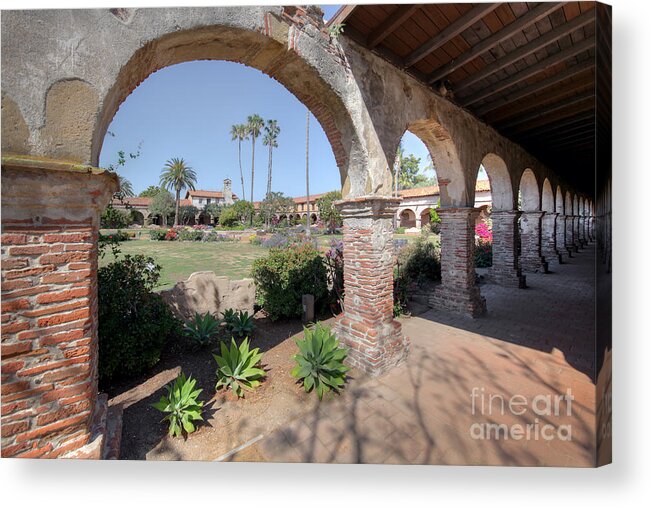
(276, 203)
(187, 214)
(114, 218)
(244, 210)
(213, 210)
(150, 191)
(162, 204)
(329, 214)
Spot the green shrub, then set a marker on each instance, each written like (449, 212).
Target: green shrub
(283, 276)
(157, 234)
(114, 218)
(320, 362)
(117, 236)
(419, 262)
(400, 230)
(190, 235)
(483, 254)
(238, 323)
(202, 328)
(134, 322)
(237, 367)
(181, 405)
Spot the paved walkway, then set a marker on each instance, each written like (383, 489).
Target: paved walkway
(491, 391)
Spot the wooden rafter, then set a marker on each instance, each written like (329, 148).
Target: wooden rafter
(562, 124)
(389, 25)
(541, 66)
(540, 101)
(451, 31)
(341, 15)
(554, 134)
(552, 108)
(528, 49)
(528, 19)
(570, 72)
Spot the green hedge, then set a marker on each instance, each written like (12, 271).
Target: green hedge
(283, 276)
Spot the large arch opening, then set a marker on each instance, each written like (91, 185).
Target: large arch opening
(529, 202)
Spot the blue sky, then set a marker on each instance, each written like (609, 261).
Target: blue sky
(187, 110)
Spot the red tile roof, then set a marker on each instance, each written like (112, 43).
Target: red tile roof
(481, 186)
(207, 193)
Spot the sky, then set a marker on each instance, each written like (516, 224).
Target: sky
(187, 111)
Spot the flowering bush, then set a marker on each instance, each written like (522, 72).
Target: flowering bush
(483, 245)
(189, 234)
(484, 232)
(171, 235)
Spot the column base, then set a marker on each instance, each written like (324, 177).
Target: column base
(371, 350)
(469, 303)
(534, 265)
(508, 278)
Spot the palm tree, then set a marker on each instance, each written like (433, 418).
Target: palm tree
(271, 131)
(176, 175)
(254, 124)
(126, 189)
(240, 133)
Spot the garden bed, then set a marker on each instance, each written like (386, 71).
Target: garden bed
(229, 422)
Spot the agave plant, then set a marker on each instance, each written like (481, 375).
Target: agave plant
(320, 363)
(181, 405)
(237, 367)
(202, 328)
(238, 323)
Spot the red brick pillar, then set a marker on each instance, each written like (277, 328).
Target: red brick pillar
(548, 237)
(575, 232)
(505, 270)
(561, 238)
(50, 216)
(458, 292)
(531, 258)
(367, 326)
(581, 230)
(569, 234)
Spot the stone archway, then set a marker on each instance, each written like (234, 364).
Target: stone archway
(407, 218)
(548, 234)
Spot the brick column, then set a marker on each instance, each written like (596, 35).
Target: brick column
(549, 248)
(531, 258)
(575, 232)
(561, 241)
(50, 221)
(505, 270)
(570, 243)
(458, 292)
(367, 326)
(580, 219)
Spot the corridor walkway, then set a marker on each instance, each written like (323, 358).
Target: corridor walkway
(511, 388)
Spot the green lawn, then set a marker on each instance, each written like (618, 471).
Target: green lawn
(180, 259)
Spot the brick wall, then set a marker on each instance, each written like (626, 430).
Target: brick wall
(548, 238)
(49, 305)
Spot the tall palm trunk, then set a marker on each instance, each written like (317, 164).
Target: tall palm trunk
(239, 155)
(178, 202)
(252, 171)
(308, 220)
(267, 218)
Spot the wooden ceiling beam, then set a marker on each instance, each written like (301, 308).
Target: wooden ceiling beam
(528, 49)
(570, 72)
(548, 97)
(518, 77)
(563, 123)
(341, 15)
(584, 134)
(552, 134)
(389, 25)
(451, 31)
(528, 19)
(552, 108)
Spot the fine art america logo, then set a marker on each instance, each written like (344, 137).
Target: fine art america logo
(539, 416)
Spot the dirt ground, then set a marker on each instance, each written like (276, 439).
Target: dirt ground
(229, 422)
